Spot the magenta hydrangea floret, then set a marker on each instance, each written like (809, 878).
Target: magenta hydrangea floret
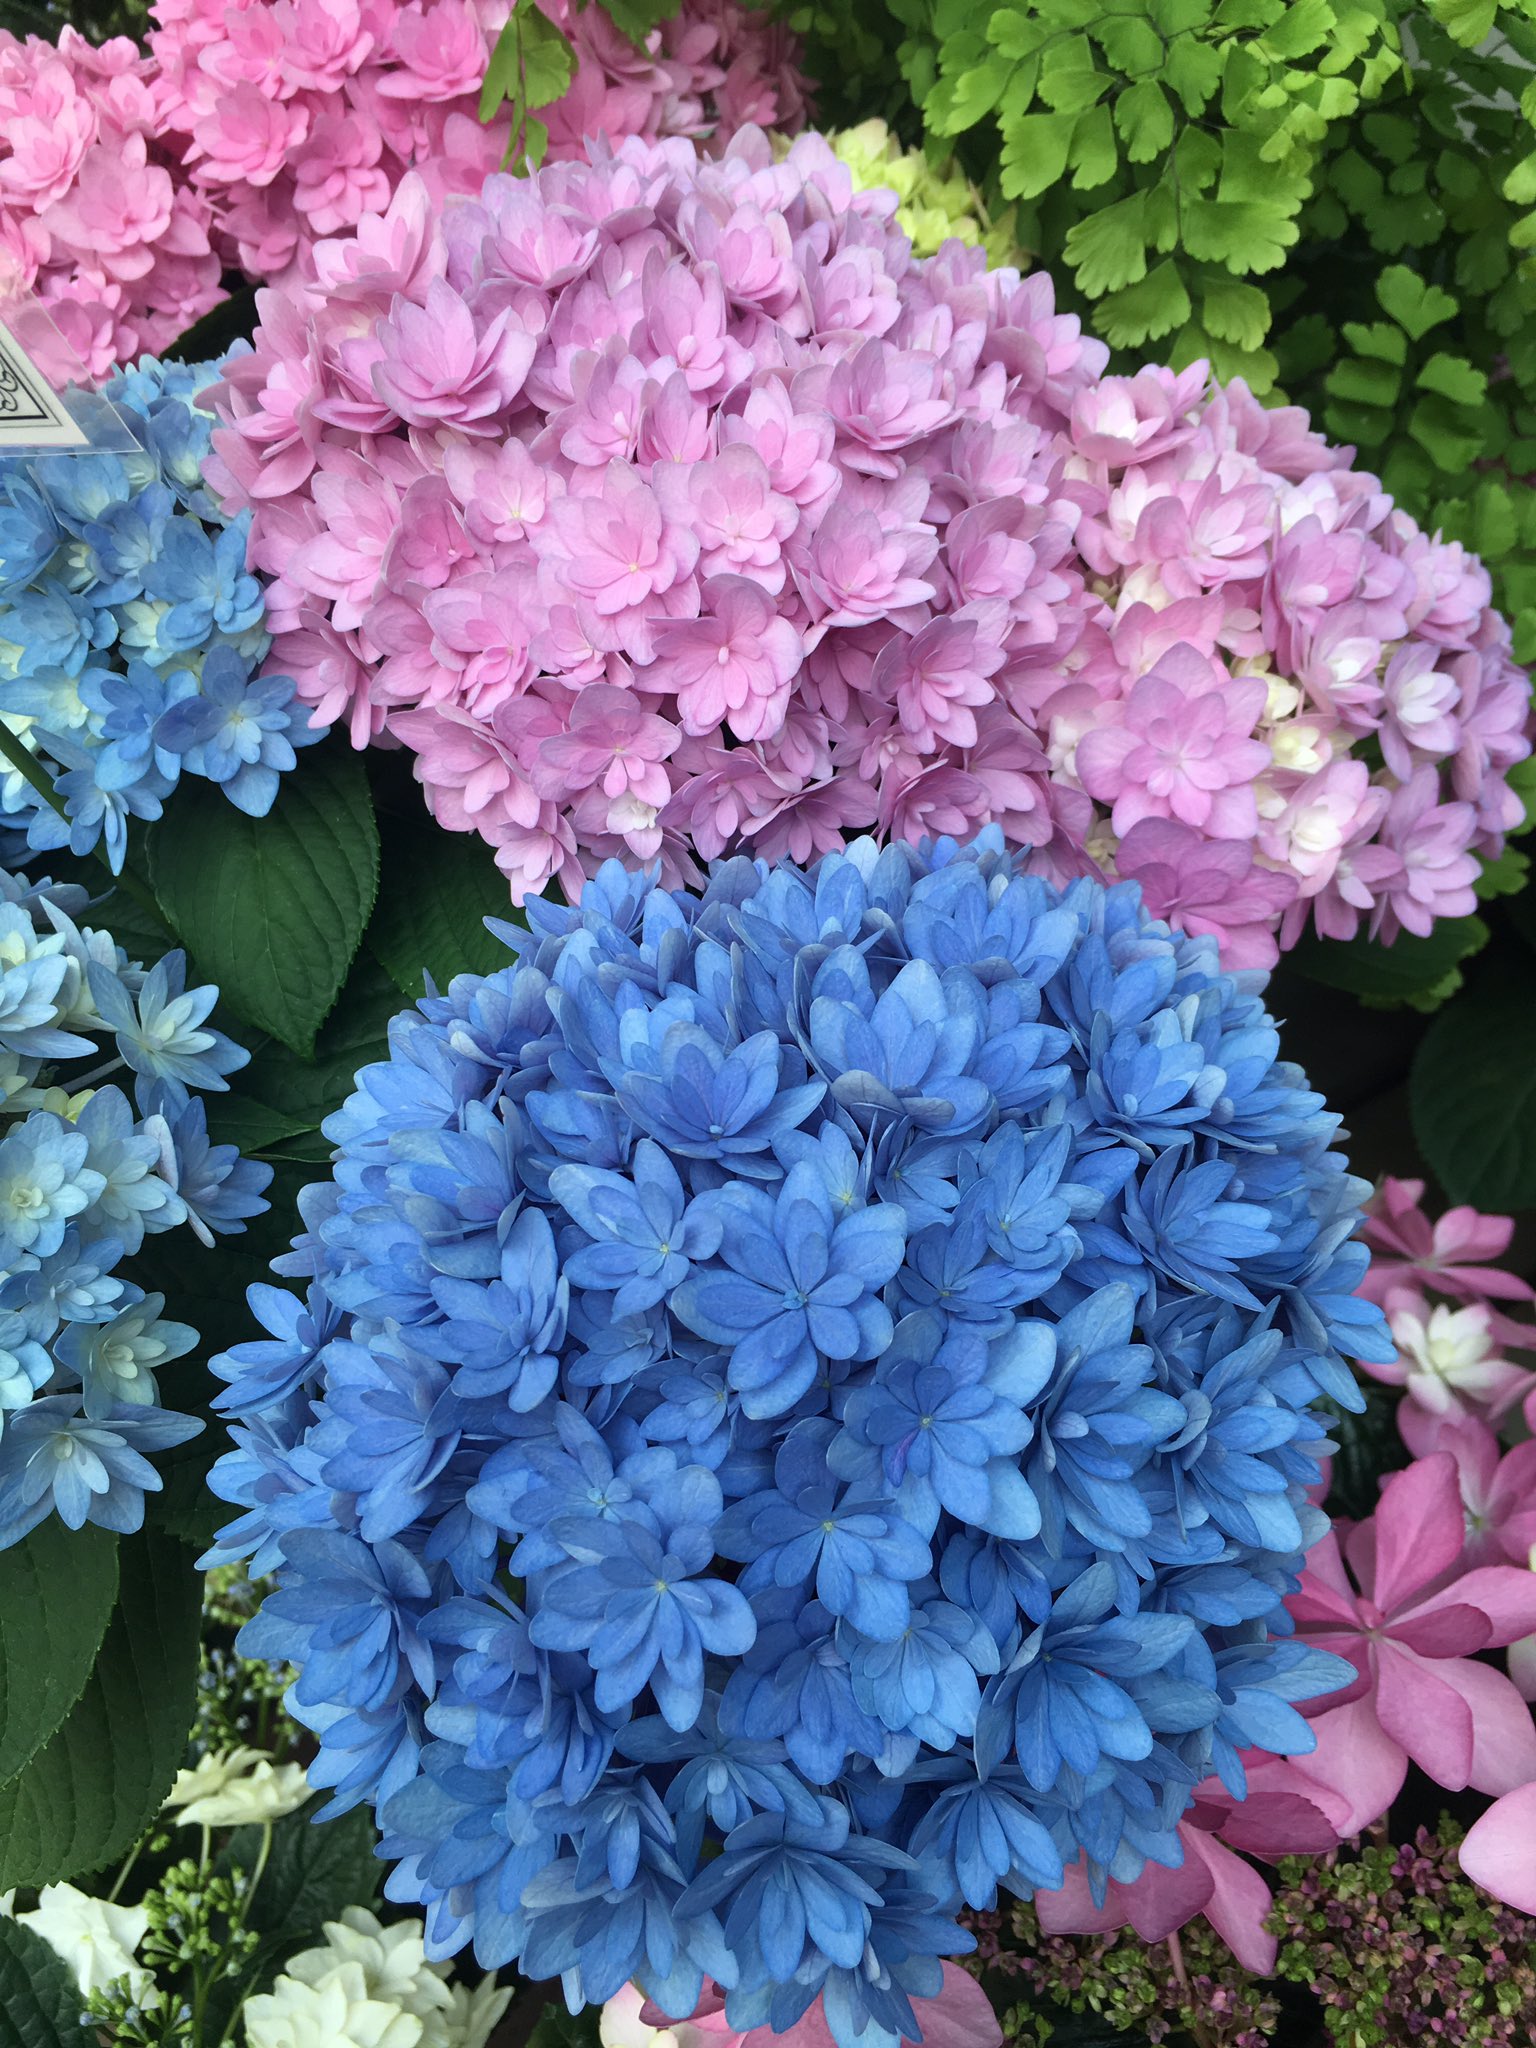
(668, 508)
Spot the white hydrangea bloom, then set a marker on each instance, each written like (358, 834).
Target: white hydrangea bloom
(393, 1961)
(393, 1966)
(235, 1787)
(95, 1938)
(335, 2013)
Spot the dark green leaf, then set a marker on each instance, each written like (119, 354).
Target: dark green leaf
(314, 1872)
(315, 1869)
(87, 1796)
(57, 1591)
(436, 890)
(557, 2028)
(1409, 968)
(636, 18)
(231, 320)
(278, 1099)
(1369, 1447)
(273, 908)
(1473, 1089)
(39, 1999)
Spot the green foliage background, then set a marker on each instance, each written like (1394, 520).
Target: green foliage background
(1330, 198)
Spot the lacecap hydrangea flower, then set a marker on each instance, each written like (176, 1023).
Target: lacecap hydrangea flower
(131, 631)
(802, 1412)
(88, 1170)
(667, 508)
(292, 119)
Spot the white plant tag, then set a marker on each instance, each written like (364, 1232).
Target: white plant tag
(32, 415)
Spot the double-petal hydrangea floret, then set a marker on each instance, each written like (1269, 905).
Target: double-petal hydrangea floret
(86, 1174)
(825, 1363)
(131, 631)
(96, 214)
(292, 119)
(668, 508)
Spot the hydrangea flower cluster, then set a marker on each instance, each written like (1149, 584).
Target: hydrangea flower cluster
(938, 202)
(295, 118)
(817, 1366)
(667, 507)
(131, 631)
(87, 1172)
(96, 216)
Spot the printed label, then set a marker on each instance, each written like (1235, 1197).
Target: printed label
(32, 415)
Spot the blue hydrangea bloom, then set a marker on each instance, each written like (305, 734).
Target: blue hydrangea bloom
(87, 1172)
(821, 1364)
(131, 631)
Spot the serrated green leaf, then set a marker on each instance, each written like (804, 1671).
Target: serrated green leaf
(1454, 378)
(1472, 1090)
(1016, 32)
(1506, 876)
(1301, 28)
(968, 98)
(1193, 71)
(1145, 120)
(1234, 312)
(437, 890)
(1108, 249)
(1145, 311)
(1441, 430)
(1131, 45)
(1358, 380)
(1468, 22)
(1093, 157)
(1246, 234)
(1378, 339)
(1069, 80)
(89, 1793)
(273, 909)
(636, 18)
(39, 1998)
(1413, 304)
(1035, 153)
(58, 1588)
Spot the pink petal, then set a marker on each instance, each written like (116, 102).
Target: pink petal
(1506, 1594)
(1503, 1733)
(1278, 1820)
(1238, 1907)
(1428, 1717)
(1499, 1852)
(1070, 1908)
(1357, 1769)
(1420, 1528)
(1453, 1630)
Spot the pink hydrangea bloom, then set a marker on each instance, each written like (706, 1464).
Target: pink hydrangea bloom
(1452, 1256)
(873, 540)
(254, 128)
(96, 214)
(1395, 1597)
(297, 119)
